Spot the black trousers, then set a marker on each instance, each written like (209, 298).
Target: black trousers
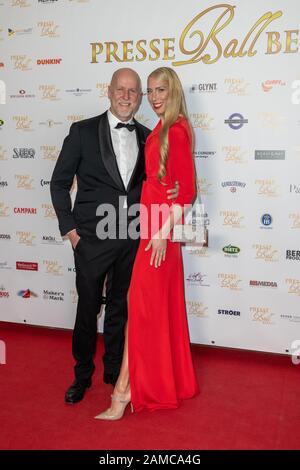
(93, 261)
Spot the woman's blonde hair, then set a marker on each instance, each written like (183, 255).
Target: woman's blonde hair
(175, 107)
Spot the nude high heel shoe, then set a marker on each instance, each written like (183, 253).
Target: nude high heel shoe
(107, 415)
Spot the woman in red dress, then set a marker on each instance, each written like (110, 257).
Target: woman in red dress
(157, 370)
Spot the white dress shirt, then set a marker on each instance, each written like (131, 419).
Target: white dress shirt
(125, 147)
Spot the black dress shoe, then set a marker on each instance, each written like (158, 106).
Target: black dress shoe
(110, 378)
(76, 391)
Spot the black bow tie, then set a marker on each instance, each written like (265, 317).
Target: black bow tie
(130, 127)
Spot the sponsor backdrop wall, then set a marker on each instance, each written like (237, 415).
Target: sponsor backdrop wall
(239, 64)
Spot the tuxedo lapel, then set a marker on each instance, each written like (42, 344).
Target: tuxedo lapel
(138, 171)
(107, 151)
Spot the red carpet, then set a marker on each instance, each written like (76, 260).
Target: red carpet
(248, 400)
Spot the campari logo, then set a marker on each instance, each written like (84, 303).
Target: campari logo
(25, 210)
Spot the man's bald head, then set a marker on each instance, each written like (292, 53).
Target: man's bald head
(124, 93)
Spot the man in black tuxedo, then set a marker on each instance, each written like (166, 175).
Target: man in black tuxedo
(106, 153)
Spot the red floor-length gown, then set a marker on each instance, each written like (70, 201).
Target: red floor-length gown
(160, 363)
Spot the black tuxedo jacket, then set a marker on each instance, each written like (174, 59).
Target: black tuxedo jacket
(88, 153)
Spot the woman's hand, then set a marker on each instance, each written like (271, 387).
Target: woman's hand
(159, 248)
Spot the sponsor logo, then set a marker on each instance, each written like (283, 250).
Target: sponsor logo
(53, 267)
(20, 3)
(53, 61)
(231, 251)
(74, 296)
(268, 85)
(293, 255)
(25, 210)
(23, 153)
(1, 124)
(75, 117)
(233, 185)
(4, 210)
(21, 62)
(262, 315)
(5, 236)
(22, 94)
(47, 1)
(266, 252)
(267, 188)
(49, 212)
(230, 281)
(49, 92)
(271, 120)
(293, 318)
(71, 270)
(202, 121)
(1, 65)
(269, 284)
(205, 187)
(48, 29)
(266, 221)
(197, 309)
(197, 279)
(237, 86)
(58, 296)
(203, 154)
(102, 88)
(236, 121)
(4, 294)
(44, 183)
(23, 123)
(50, 123)
(234, 313)
(26, 266)
(3, 184)
(19, 32)
(49, 152)
(269, 154)
(294, 189)
(25, 238)
(4, 265)
(294, 217)
(2, 92)
(51, 240)
(203, 88)
(294, 286)
(233, 219)
(79, 91)
(3, 154)
(24, 182)
(27, 294)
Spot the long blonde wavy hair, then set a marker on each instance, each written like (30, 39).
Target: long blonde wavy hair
(176, 107)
